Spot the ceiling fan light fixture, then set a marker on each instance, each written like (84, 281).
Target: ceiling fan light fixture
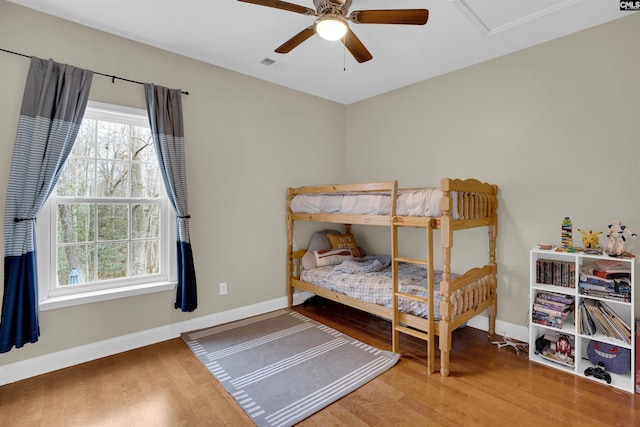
(331, 27)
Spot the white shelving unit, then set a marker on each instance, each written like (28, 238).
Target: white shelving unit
(625, 310)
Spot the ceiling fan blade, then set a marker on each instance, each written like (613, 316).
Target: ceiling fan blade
(294, 41)
(282, 5)
(355, 46)
(391, 16)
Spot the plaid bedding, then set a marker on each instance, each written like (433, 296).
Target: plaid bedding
(376, 287)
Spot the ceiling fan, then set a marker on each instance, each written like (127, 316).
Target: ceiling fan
(332, 22)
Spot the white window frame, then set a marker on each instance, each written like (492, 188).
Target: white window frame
(50, 295)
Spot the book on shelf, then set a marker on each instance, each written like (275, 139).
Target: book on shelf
(612, 266)
(614, 316)
(609, 270)
(606, 321)
(613, 296)
(617, 289)
(551, 305)
(551, 309)
(590, 279)
(553, 296)
(546, 320)
(585, 325)
(605, 275)
(563, 360)
(557, 273)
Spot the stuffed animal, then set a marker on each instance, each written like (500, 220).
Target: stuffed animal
(615, 247)
(590, 240)
(611, 357)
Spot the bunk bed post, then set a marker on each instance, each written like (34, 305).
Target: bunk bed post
(446, 242)
(493, 235)
(290, 266)
(431, 341)
(395, 319)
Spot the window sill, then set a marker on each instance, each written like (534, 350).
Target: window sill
(104, 295)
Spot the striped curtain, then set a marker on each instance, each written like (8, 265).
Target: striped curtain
(164, 108)
(54, 101)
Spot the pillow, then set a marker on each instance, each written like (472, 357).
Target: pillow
(331, 256)
(342, 241)
(318, 241)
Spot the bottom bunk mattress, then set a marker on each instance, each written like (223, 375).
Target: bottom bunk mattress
(376, 287)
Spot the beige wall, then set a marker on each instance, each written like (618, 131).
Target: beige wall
(246, 142)
(556, 126)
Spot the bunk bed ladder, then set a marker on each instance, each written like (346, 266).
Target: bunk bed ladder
(398, 327)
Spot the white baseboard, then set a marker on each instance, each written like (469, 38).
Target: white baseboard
(506, 329)
(63, 359)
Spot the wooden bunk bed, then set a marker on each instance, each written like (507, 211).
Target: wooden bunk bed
(450, 300)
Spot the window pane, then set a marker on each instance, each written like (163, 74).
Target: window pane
(145, 221)
(145, 181)
(112, 260)
(113, 222)
(75, 264)
(142, 149)
(85, 145)
(77, 178)
(144, 257)
(112, 179)
(113, 140)
(75, 223)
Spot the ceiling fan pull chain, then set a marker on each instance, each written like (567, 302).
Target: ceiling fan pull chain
(344, 56)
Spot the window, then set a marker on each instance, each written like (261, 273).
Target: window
(106, 225)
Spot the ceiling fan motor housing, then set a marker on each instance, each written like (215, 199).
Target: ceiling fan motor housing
(332, 7)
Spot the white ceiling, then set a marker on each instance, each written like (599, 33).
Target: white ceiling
(238, 36)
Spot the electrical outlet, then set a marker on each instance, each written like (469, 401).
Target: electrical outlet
(223, 288)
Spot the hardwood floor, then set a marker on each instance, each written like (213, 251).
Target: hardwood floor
(166, 385)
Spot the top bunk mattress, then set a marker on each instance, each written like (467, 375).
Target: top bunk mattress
(423, 202)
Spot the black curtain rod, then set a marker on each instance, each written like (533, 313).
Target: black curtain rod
(112, 77)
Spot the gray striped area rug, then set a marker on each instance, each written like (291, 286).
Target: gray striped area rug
(281, 367)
